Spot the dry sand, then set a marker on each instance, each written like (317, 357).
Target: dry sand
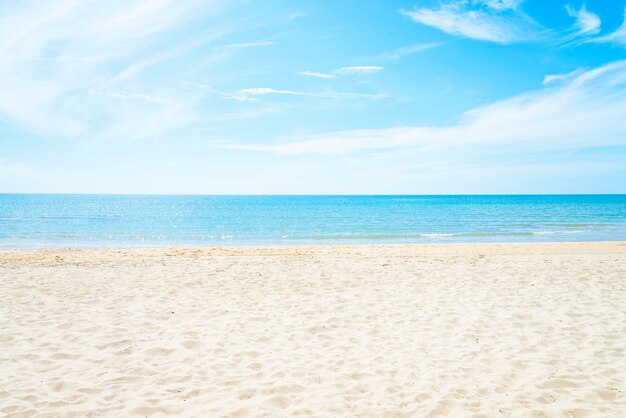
(478, 330)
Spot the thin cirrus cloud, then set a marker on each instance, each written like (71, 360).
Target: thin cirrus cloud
(263, 91)
(362, 69)
(243, 45)
(617, 37)
(251, 94)
(134, 96)
(343, 71)
(494, 21)
(235, 96)
(56, 60)
(408, 50)
(555, 78)
(562, 115)
(260, 91)
(370, 69)
(316, 74)
(587, 28)
(500, 4)
(503, 22)
(586, 25)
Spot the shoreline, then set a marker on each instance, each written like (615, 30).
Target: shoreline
(195, 246)
(502, 329)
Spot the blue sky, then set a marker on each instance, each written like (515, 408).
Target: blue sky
(419, 97)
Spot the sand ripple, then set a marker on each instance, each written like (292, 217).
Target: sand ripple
(509, 330)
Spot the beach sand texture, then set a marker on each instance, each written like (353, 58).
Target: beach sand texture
(451, 330)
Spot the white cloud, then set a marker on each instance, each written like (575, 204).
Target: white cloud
(555, 78)
(134, 96)
(363, 69)
(339, 142)
(591, 104)
(503, 22)
(54, 56)
(343, 71)
(496, 21)
(243, 45)
(249, 94)
(241, 98)
(587, 23)
(253, 113)
(500, 4)
(618, 36)
(262, 91)
(315, 74)
(407, 50)
(237, 96)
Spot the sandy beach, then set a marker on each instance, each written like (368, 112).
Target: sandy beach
(450, 330)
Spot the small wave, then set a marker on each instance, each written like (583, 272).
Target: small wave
(416, 235)
(556, 232)
(566, 225)
(437, 235)
(577, 227)
(485, 234)
(361, 236)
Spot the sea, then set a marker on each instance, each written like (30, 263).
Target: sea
(33, 221)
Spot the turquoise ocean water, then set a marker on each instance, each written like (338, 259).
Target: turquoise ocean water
(50, 221)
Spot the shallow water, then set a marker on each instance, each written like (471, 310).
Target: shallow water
(46, 221)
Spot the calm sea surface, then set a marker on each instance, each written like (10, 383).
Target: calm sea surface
(44, 221)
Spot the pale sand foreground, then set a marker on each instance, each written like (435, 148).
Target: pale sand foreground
(400, 330)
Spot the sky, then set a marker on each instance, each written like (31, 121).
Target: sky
(313, 97)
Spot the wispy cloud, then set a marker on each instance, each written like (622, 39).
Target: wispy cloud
(588, 105)
(587, 23)
(343, 71)
(617, 37)
(371, 69)
(134, 96)
(255, 113)
(235, 96)
(316, 74)
(504, 22)
(259, 91)
(251, 94)
(500, 4)
(243, 45)
(585, 26)
(489, 20)
(262, 91)
(407, 50)
(363, 69)
(57, 60)
(555, 78)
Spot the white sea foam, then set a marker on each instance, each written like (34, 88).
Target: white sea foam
(555, 232)
(437, 235)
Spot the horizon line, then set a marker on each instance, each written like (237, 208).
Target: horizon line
(306, 195)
